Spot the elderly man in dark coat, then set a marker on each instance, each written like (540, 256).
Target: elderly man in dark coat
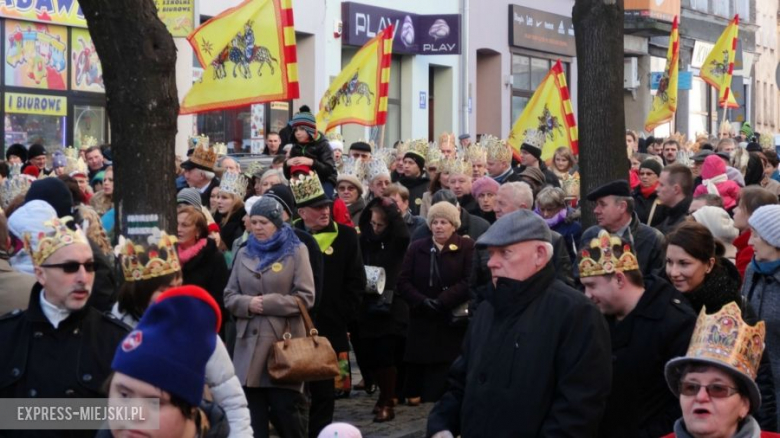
(536, 360)
(59, 347)
(344, 282)
(615, 213)
(649, 324)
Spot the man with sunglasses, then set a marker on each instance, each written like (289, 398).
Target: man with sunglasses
(59, 347)
(649, 324)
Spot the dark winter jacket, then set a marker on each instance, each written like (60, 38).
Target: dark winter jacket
(387, 251)
(413, 223)
(570, 230)
(73, 360)
(468, 203)
(550, 178)
(643, 206)
(205, 197)
(439, 275)
(417, 187)
(674, 216)
(208, 270)
(536, 363)
(104, 288)
(657, 330)
(647, 241)
(344, 282)
(355, 209)
(318, 150)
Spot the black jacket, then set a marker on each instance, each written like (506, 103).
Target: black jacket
(344, 282)
(674, 216)
(550, 178)
(657, 330)
(417, 187)
(104, 288)
(319, 151)
(643, 206)
(232, 229)
(536, 363)
(205, 197)
(387, 251)
(648, 244)
(73, 360)
(468, 203)
(208, 269)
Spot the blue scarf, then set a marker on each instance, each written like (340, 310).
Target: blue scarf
(766, 268)
(279, 246)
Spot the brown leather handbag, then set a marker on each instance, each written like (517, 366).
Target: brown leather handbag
(305, 359)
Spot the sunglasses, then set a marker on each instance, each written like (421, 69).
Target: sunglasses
(72, 267)
(714, 390)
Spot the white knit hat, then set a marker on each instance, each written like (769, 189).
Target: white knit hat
(766, 221)
(719, 223)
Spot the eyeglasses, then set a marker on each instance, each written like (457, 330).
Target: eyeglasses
(346, 188)
(72, 267)
(714, 390)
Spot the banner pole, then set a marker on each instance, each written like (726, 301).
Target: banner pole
(382, 136)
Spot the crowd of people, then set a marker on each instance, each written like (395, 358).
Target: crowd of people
(457, 272)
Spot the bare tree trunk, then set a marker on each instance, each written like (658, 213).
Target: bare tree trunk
(138, 57)
(598, 29)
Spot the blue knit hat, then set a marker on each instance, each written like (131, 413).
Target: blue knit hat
(58, 159)
(765, 220)
(172, 343)
(306, 121)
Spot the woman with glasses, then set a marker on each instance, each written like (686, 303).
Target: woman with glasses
(715, 381)
(383, 319)
(695, 266)
(350, 190)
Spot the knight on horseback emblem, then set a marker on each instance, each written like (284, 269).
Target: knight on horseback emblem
(719, 69)
(343, 95)
(242, 52)
(549, 124)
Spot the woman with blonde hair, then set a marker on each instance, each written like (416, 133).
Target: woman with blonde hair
(103, 200)
(564, 167)
(230, 210)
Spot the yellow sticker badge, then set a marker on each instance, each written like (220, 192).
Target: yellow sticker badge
(329, 251)
(453, 247)
(418, 201)
(276, 267)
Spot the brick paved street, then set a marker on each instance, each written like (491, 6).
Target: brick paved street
(409, 421)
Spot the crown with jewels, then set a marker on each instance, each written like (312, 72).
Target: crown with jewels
(375, 168)
(307, 188)
(14, 186)
(726, 338)
(476, 153)
(14, 169)
(334, 136)
(387, 155)
(52, 241)
(433, 156)
(235, 183)
(158, 259)
(447, 138)
(418, 147)
(203, 154)
(220, 149)
(353, 167)
(254, 168)
(456, 166)
(535, 138)
(75, 164)
(87, 142)
(496, 149)
(607, 263)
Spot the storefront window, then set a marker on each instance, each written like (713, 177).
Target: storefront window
(697, 118)
(234, 127)
(89, 121)
(29, 129)
(527, 73)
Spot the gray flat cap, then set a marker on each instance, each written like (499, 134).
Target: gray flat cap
(519, 226)
(464, 136)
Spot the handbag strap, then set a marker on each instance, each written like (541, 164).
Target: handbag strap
(307, 323)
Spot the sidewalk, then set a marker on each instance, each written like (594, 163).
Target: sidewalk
(409, 421)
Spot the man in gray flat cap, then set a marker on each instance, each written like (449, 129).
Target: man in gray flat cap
(537, 358)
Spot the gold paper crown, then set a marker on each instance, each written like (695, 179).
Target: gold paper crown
(447, 138)
(204, 155)
(433, 156)
(255, 167)
(49, 243)
(375, 168)
(418, 147)
(307, 188)
(725, 337)
(88, 141)
(725, 127)
(456, 166)
(71, 153)
(766, 141)
(220, 149)
(476, 153)
(139, 263)
(534, 138)
(234, 183)
(75, 164)
(12, 187)
(496, 149)
(607, 263)
(334, 136)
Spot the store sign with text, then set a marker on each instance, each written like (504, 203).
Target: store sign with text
(65, 12)
(543, 31)
(437, 34)
(20, 103)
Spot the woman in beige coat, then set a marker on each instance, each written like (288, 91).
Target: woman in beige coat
(269, 273)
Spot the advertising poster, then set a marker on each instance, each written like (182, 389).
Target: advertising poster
(178, 16)
(86, 72)
(36, 55)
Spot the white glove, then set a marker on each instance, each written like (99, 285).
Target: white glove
(443, 434)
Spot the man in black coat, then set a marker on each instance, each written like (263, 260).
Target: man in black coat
(536, 360)
(414, 178)
(675, 192)
(649, 325)
(59, 347)
(614, 212)
(344, 283)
